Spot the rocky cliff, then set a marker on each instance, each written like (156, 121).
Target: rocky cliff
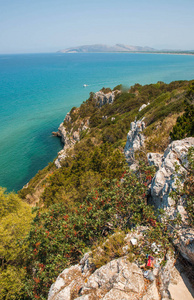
(69, 135)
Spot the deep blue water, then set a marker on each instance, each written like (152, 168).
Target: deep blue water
(37, 90)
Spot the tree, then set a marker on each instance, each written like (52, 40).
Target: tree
(15, 220)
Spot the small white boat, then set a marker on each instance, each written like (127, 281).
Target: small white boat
(85, 85)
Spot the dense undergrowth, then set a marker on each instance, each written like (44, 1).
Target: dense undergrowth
(93, 194)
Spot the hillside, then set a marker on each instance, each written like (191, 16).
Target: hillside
(106, 48)
(101, 48)
(89, 192)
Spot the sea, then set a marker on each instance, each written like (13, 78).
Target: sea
(37, 91)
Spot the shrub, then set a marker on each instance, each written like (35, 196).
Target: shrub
(60, 235)
(185, 124)
(15, 219)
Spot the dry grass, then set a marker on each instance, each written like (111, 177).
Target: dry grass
(157, 134)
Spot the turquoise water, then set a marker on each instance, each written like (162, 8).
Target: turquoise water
(37, 90)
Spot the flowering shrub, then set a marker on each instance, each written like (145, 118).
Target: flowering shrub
(60, 235)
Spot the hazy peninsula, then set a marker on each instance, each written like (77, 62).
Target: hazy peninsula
(102, 48)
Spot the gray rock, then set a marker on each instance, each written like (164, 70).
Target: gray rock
(164, 182)
(68, 117)
(119, 279)
(102, 98)
(120, 275)
(69, 280)
(155, 159)
(185, 243)
(165, 275)
(135, 140)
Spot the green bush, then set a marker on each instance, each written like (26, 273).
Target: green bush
(15, 220)
(185, 124)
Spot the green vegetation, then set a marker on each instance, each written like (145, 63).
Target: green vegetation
(93, 195)
(185, 124)
(186, 191)
(15, 219)
(60, 235)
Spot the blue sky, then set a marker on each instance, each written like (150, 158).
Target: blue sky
(50, 25)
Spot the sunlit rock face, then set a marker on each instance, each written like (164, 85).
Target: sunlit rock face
(135, 141)
(164, 182)
(102, 98)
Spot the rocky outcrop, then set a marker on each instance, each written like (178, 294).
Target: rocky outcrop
(155, 159)
(69, 137)
(164, 182)
(102, 98)
(135, 141)
(118, 279)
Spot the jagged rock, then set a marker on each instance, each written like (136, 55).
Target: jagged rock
(165, 275)
(102, 98)
(155, 159)
(135, 140)
(67, 117)
(185, 243)
(61, 157)
(164, 182)
(118, 274)
(68, 138)
(63, 134)
(67, 282)
(119, 279)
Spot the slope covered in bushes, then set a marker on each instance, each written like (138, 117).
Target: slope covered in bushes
(94, 194)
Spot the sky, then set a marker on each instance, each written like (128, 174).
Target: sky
(28, 26)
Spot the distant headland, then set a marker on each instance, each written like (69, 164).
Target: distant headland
(101, 48)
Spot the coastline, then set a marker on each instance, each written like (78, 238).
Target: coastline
(131, 52)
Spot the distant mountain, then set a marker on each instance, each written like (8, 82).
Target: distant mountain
(105, 48)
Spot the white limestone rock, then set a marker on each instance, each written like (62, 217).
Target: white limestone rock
(164, 182)
(102, 98)
(155, 159)
(69, 280)
(185, 243)
(135, 140)
(120, 275)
